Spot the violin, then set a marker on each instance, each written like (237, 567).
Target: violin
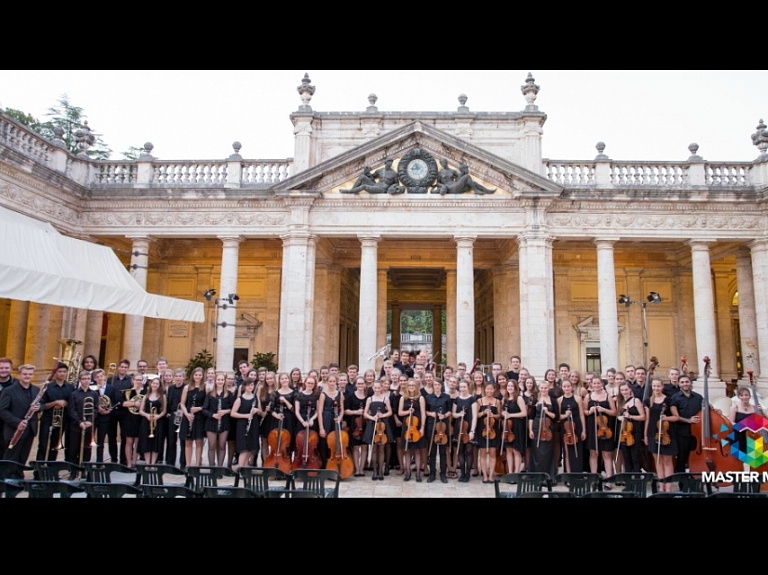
(412, 434)
(489, 429)
(278, 441)
(662, 427)
(508, 436)
(359, 422)
(626, 436)
(439, 431)
(545, 426)
(338, 443)
(601, 424)
(379, 431)
(569, 436)
(307, 456)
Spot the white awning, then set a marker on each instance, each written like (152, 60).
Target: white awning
(39, 264)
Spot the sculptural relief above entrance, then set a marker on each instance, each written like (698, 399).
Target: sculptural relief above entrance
(417, 173)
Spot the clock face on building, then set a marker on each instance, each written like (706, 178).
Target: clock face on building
(417, 169)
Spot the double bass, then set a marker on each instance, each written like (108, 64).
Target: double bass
(711, 455)
(338, 444)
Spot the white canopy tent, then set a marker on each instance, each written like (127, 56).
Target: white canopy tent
(39, 264)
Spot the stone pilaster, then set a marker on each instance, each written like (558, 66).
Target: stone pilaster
(747, 322)
(93, 331)
(37, 338)
(704, 311)
(381, 315)
(309, 301)
(538, 335)
(17, 331)
(760, 280)
(293, 301)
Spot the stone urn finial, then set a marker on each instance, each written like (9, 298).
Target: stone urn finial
(463, 103)
(693, 148)
(372, 99)
(760, 139)
(236, 146)
(530, 91)
(600, 147)
(146, 154)
(306, 91)
(85, 139)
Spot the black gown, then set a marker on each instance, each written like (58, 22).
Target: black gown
(518, 427)
(375, 406)
(542, 452)
(595, 443)
(152, 444)
(354, 403)
(211, 406)
(195, 398)
(249, 442)
(631, 453)
(574, 453)
(484, 431)
(654, 415)
(422, 442)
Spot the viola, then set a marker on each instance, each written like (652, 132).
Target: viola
(662, 427)
(279, 441)
(601, 424)
(338, 444)
(508, 436)
(307, 456)
(359, 422)
(545, 426)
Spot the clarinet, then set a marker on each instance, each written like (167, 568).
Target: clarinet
(218, 425)
(250, 419)
(192, 425)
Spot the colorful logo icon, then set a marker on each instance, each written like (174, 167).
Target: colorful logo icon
(749, 440)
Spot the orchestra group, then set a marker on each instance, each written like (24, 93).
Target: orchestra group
(403, 421)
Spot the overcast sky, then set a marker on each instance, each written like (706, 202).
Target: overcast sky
(640, 115)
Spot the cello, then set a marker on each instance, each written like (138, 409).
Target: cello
(338, 443)
(711, 455)
(307, 456)
(278, 441)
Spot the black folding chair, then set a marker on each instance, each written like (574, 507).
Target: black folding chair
(200, 477)
(580, 483)
(229, 492)
(11, 486)
(263, 480)
(636, 483)
(39, 489)
(107, 490)
(318, 481)
(524, 482)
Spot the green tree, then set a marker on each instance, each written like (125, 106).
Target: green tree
(70, 119)
(132, 153)
(23, 118)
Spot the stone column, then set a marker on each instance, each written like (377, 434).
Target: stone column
(93, 330)
(37, 338)
(465, 299)
(134, 324)
(395, 325)
(760, 282)
(293, 302)
(723, 325)
(524, 348)
(606, 298)
(437, 333)
(381, 316)
(53, 347)
(538, 335)
(368, 302)
(747, 322)
(272, 319)
(704, 310)
(450, 319)
(17, 331)
(225, 330)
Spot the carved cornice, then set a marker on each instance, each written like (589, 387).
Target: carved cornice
(629, 221)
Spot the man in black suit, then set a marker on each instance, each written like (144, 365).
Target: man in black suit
(15, 402)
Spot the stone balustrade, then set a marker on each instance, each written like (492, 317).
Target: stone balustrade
(24, 141)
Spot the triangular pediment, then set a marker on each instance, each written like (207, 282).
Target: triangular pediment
(488, 170)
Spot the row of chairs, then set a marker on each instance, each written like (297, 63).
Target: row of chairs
(622, 485)
(154, 481)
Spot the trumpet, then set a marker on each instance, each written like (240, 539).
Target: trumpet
(152, 422)
(88, 412)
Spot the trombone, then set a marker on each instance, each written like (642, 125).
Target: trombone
(57, 421)
(88, 412)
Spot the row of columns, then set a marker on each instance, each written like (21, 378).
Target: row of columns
(537, 325)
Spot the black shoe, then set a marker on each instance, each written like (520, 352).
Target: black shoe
(386, 471)
(407, 477)
(430, 479)
(418, 478)
(443, 479)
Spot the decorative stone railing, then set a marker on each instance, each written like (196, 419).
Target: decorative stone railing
(25, 141)
(619, 173)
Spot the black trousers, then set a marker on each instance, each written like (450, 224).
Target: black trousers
(685, 444)
(42, 441)
(172, 444)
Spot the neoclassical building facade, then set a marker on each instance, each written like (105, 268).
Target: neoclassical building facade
(383, 212)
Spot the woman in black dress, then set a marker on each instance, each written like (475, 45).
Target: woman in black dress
(464, 425)
(152, 430)
(247, 415)
(305, 408)
(193, 422)
(530, 396)
(514, 410)
(631, 412)
(377, 410)
(216, 409)
(133, 420)
(355, 415)
(571, 410)
(540, 430)
(331, 407)
(659, 410)
(411, 411)
(600, 410)
(488, 410)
